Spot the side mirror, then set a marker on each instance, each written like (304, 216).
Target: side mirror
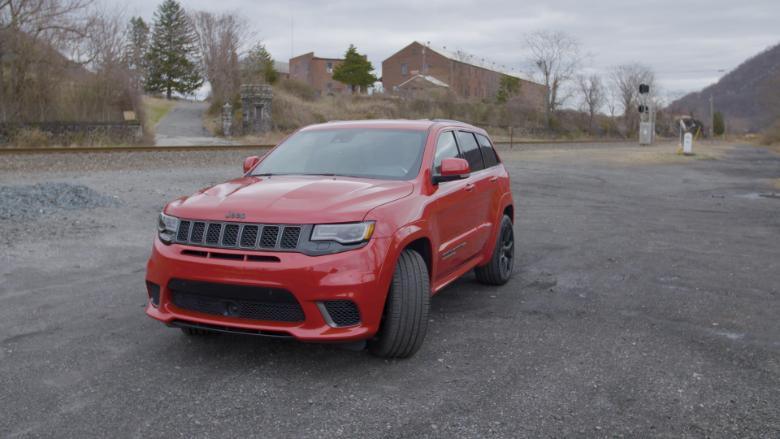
(250, 162)
(452, 169)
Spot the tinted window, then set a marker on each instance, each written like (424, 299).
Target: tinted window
(488, 153)
(369, 153)
(470, 150)
(445, 148)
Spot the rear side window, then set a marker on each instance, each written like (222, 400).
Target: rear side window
(445, 148)
(488, 153)
(470, 150)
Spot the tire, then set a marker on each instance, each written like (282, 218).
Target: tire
(190, 332)
(499, 269)
(405, 319)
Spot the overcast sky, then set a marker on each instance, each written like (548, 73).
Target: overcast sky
(687, 43)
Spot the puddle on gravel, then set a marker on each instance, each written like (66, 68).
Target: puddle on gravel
(760, 195)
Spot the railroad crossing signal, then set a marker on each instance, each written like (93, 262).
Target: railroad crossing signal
(646, 116)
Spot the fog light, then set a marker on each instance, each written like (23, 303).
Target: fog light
(154, 293)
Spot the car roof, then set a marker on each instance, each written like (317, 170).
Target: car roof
(400, 124)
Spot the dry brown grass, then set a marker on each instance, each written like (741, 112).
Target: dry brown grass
(616, 154)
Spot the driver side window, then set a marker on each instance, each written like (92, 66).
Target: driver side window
(445, 148)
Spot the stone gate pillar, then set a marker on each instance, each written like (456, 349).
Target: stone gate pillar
(256, 102)
(227, 119)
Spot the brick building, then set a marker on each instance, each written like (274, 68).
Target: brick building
(464, 78)
(318, 73)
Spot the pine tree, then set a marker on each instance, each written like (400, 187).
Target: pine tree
(355, 71)
(137, 49)
(258, 65)
(718, 124)
(172, 56)
(507, 87)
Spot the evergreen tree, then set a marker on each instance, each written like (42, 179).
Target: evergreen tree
(137, 49)
(258, 65)
(508, 87)
(172, 56)
(355, 71)
(718, 124)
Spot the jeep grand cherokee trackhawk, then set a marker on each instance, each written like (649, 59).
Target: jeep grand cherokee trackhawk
(339, 234)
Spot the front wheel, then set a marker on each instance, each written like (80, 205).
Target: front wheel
(405, 319)
(499, 269)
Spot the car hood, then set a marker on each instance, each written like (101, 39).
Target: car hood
(290, 199)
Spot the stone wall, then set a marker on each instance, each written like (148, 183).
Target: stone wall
(76, 133)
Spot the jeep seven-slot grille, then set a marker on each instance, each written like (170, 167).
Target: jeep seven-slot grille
(238, 235)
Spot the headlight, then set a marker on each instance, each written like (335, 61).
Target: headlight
(351, 233)
(166, 227)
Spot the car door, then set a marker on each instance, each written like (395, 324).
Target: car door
(480, 196)
(492, 184)
(450, 212)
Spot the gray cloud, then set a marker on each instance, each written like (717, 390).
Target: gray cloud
(686, 43)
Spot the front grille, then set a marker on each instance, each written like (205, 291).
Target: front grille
(342, 312)
(268, 238)
(230, 236)
(184, 231)
(212, 233)
(290, 237)
(238, 301)
(247, 236)
(197, 232)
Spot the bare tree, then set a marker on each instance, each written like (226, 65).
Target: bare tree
(626, 79)
(221, 38)
(555, 56)
(593, 96)
(33, 34)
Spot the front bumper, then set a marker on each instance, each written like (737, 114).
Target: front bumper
(359, 275)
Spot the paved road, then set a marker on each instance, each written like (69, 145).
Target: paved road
(645, 304)
(183, 125)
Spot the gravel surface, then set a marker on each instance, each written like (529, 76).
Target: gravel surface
(645, 303)
(24, 202)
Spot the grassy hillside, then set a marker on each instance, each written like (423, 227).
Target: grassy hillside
(748, 96)
(155, 109)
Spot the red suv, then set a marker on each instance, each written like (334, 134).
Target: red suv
(339, 234)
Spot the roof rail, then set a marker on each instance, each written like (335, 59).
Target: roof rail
(449, 121)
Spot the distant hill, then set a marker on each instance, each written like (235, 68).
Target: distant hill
(748, 96)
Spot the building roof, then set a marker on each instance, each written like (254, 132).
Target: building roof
(313, 56)
(428, 78)
(472, 60)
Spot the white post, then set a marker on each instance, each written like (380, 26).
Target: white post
(688, 144)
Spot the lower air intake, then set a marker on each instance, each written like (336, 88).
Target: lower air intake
(342, 312)
(238, 301)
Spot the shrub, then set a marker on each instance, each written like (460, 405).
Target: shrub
(298, 89)
(29, 138)
(772, 134)
(718, 124)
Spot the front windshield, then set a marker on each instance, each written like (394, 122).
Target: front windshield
(356, 152)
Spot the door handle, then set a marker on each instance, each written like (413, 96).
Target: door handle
(469, 187)
(494, 179)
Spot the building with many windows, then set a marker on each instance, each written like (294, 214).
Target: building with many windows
(318, 73)
(419, 66)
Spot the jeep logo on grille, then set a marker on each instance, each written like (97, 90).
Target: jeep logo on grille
(235, 215)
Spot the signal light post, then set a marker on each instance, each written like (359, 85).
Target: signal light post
(646, 116)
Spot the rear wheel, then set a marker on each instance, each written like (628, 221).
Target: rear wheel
(499, 269)
(405, 319)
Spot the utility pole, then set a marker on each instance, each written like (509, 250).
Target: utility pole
(712, 118)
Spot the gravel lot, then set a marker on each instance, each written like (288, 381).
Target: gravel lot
(645, 304)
